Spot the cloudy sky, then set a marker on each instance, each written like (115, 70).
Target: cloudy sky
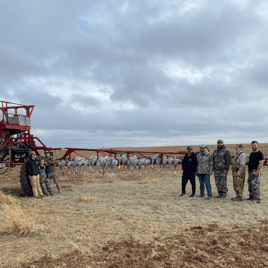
(137, 73)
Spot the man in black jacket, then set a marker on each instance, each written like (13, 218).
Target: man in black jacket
(189, 165)
(33, 172)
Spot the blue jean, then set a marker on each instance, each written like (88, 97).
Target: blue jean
(204, 179)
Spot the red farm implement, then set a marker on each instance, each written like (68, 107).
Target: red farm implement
(116, 152)
(16, 141)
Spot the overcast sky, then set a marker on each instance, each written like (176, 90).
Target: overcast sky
(137, 73)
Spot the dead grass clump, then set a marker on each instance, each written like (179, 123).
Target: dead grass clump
(87, 198)
(70, 188)
(6, 199)
(147, 180)
(17, 222)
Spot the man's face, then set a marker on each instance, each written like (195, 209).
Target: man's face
(47, 154)
(33, 156)
(254, 147)
(189, 151)
(238, 149)
(202, 149)
(220, 144)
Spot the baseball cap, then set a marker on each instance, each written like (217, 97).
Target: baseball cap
(202, 146)
(220, 140)
(239, 146)
(32, 153)
(46, 151)
(189, 148)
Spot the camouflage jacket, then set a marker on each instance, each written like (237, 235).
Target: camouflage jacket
(204, 163)
(221, 158)
(50, 164)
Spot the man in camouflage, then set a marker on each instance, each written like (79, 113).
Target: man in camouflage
(44, 181)
(255, 164)
(50, 163)
(204, 170)
(238, 170)
(221, 164)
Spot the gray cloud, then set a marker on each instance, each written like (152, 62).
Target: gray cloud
(136, 70)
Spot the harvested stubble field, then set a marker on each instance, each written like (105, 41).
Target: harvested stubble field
(132, 221)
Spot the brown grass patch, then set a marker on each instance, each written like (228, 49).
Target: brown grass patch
(87, 198)
(148, 180)
(70, 188)
(6, 199)
(17, 222)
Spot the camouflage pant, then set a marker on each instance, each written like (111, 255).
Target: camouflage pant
(238, 181)
(221, 181)
(45, 184)
(254, 184)
(53, 176)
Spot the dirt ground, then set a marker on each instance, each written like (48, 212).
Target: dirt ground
(132, 221)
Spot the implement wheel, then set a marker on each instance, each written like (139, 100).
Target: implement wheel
(25, 181)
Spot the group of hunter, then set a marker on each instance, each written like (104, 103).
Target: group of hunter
(41, 173)
(204, 164)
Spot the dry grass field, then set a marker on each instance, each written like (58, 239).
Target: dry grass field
(131, 221)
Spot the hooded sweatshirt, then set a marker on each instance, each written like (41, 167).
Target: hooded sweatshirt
(221, 158)
(189, 163)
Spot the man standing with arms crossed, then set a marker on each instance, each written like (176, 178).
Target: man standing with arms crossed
(238, 170)
(204, 170)
(255, 164)
(221, 164)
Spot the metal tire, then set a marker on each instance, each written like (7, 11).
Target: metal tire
(25, 181)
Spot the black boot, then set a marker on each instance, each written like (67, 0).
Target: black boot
(238, 198)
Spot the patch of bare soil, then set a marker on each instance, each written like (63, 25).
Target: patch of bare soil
(209, 246)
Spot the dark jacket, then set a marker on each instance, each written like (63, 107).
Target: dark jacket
(50, 163)
(32, 167)
(189, 163)
(221, 158)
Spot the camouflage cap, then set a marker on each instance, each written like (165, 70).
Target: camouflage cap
(46, 152)
(189, 148)
(32, 153)
(220, 140)
(202, 146)
(239, 146)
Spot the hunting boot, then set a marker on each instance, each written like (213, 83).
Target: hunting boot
(218, 196)
(238, 198)
(250, 198)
